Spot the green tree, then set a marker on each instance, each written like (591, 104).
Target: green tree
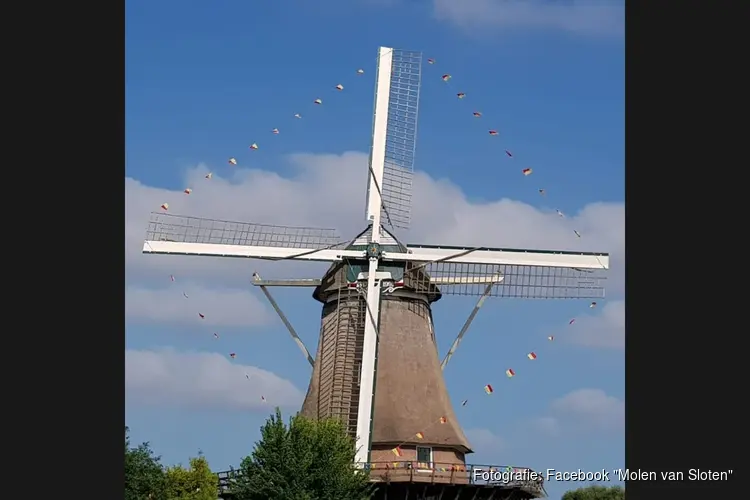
(144, 475)
(306, 460)
(596, 492)
(194, 483)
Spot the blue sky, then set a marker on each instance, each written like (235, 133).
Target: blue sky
(204, 81)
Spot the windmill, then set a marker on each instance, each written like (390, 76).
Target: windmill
(377, 367)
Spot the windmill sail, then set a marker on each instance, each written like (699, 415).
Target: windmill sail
(182, 235)
(514, 281)
(396, 92)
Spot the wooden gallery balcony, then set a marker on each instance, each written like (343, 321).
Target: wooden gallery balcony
(456, 481)
(437, 481)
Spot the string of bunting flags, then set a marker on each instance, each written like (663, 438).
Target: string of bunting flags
(492, 129)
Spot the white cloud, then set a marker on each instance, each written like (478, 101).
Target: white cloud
(181, 303)
(588, 17)
(546, 425)
(593, 406)
(329, 191)
(606, 330)
(197, 380)
(583, 410)
(484, 440)
(320, 194)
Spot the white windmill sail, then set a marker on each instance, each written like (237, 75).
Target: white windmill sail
(181, 235)
(394, 136)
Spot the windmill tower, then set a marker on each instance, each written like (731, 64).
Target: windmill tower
(377, 367)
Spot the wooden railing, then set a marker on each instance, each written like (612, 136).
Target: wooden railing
(489, 476)
(502, 476)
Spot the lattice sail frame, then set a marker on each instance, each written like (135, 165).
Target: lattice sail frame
(511, 281)
(184, 229)
(399, 76)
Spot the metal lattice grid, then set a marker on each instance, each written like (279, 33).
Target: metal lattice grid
(401, 136)
(526, 282)
(182, 229)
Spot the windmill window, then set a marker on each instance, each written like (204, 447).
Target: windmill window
(424, 458)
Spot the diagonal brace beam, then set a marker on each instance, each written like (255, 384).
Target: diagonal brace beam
(286, 322)
(467, 324)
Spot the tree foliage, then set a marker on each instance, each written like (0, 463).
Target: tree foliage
(197, 482)
(144, 474)
(596, 492)
(306, 460)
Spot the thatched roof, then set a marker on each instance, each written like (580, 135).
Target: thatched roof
(410, 393)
